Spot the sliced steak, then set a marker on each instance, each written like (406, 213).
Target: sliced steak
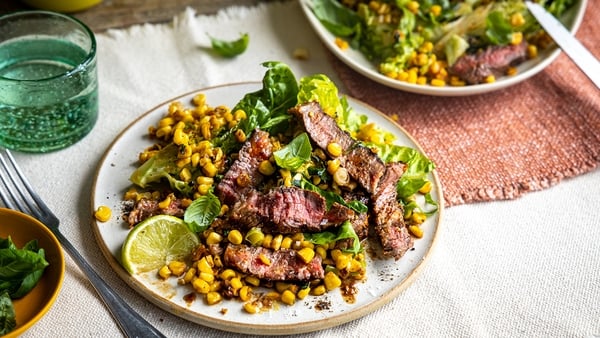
(494, 60)
(360, 223)
(364, 166)
(283, 264)
(321, 127)
(389, 216)
(288, 210)
(145, 208)
(243, 175)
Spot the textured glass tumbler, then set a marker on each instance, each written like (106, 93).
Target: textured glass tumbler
(48, 81)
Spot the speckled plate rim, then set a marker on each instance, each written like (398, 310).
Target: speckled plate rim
(111, 182)
(358, 62)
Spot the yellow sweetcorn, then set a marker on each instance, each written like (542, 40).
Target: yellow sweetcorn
(103, 213)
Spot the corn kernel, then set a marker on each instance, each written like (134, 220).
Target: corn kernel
(415, 230)
(236, 283)
(252, 280)
(164, 272)
(288, 297)
(200, 286)
(245, 293)
(250, 308)
(276, 242)
(235, 237)
(266, 168)
(302, 293)
(213, 297)
(426, 188)
(264, 259)
(214, 238)
(189, 275)
(307, 254)
(103, 213)
(341, 43)
(332, 281)
(438, 82)
(418, 217)
(334, 149)
(177, 267)
(204, 266)
(318, 290)
(207, 277)
(227, 274)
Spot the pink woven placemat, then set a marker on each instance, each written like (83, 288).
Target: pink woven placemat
(499, 145)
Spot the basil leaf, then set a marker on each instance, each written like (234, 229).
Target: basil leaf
(266, 108)
(295, 153)
(8, 320)
(230, 49)
(202, 212)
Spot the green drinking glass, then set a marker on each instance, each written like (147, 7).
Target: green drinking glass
(48, 81)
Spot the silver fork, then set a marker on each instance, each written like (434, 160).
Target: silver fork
(16, 193)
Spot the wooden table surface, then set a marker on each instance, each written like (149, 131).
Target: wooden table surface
(123, 13)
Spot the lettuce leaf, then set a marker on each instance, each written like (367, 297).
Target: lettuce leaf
(418, 166)
(328, 237)
(161, 165)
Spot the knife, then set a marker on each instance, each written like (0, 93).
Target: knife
(567, 42)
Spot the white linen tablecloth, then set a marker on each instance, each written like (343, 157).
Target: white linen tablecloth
(523, 268)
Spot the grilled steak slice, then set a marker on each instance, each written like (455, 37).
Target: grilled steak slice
(364, 166)
(495, 60)
(321, 127)
(283, 264)
(287, 211)
(145, 208)
(360, 223)
(243, 175)
(389, 215)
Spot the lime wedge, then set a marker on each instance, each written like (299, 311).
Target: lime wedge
(155, 242)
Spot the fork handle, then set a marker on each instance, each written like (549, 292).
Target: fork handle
(129, 321)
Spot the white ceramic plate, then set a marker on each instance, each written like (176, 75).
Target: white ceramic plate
(357, 61)
(385, 278)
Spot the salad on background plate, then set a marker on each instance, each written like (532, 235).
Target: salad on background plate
(440, 47)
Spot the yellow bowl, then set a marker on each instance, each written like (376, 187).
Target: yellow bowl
(65, 6)
(22, 228)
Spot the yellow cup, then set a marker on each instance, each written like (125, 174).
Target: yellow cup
(65, 6)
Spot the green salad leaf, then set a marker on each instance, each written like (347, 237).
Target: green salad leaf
(418, 166)
(295, 153)
(161, 165)
(202, 212)
(230, 49)
(266, 108)
(327, 237)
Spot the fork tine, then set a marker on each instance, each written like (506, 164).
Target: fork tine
(13, 177)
